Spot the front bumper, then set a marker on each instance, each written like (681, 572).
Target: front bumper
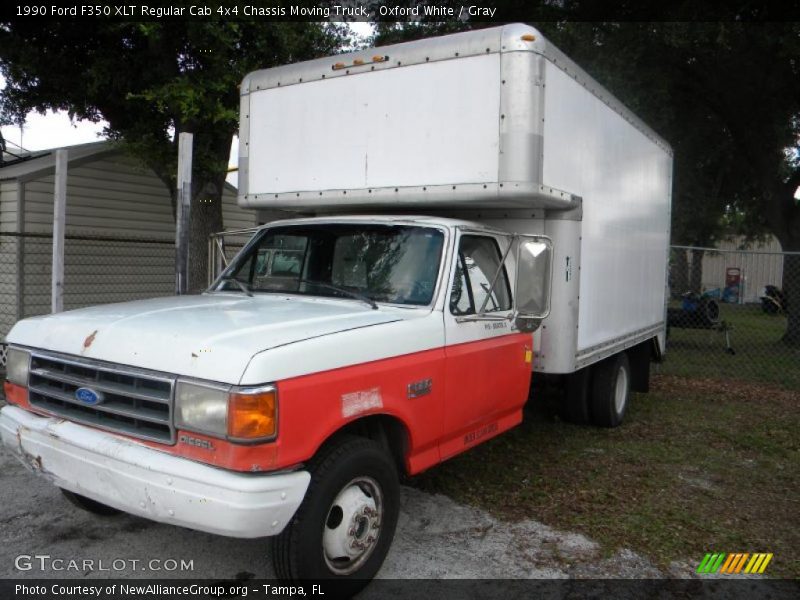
(142, 481)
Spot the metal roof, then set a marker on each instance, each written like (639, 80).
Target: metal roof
(43, 162)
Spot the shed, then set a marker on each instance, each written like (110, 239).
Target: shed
(120, 232)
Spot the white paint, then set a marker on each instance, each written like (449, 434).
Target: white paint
(149, 483)
(211, 336)
(624, 178)
(362, 401)
(425, 124)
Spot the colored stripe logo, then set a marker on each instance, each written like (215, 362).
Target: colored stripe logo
(735, 563)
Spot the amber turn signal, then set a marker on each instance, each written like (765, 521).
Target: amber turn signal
(253, 416)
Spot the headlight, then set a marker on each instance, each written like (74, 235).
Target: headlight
(18, 364)
(202, 407)
(239, 414)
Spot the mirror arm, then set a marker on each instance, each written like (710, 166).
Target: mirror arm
(482, 312)
(485, 317)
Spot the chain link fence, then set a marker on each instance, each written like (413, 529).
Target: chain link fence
(734, 315)
(97, 270)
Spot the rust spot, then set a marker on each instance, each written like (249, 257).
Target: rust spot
(89, 340)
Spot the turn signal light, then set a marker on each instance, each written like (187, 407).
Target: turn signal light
(253, 416)
(528, 37)
(337, 66)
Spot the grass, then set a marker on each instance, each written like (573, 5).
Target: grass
(756, 338)
(699, 466)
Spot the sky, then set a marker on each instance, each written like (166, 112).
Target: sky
(55, 130)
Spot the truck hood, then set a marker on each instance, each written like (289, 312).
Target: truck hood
(211, 336)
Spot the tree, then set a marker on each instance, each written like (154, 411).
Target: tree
(152, 81)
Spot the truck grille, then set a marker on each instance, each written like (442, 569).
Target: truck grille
(134, 402)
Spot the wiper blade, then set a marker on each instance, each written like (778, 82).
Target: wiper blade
(242, 285)
(341, 290)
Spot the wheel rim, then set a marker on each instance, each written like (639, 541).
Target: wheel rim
(353, 526)
(621, 390)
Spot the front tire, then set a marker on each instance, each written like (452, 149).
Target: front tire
(346, 523)
(611, 390)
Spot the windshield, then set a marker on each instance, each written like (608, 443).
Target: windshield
(397, 264)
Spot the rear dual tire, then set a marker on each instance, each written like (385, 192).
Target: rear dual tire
(598, 394)
(611, 391)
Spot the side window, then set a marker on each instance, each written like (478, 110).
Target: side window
(478, 261)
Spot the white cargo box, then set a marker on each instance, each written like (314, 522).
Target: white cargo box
(495, 125)
(460, 120)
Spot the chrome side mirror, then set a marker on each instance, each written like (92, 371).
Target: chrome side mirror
(534, 275)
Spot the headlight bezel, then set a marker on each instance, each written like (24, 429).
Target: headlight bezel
(222, 404)
(21, 359)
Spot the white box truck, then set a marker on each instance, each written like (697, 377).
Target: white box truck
(470, 209)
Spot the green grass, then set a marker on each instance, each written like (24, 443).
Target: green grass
(756, 338)
(699, 466)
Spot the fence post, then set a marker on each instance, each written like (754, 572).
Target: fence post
(183, 207)
(59, 225)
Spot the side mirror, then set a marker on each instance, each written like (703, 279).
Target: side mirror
(534, 274)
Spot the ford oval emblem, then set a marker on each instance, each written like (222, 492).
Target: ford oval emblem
(88, 396)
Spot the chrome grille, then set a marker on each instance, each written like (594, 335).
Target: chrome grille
(135, 402)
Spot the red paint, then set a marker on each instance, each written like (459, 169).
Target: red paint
(489, 381)
(16, 394)
(474, 383)
(478, 392)
(310, 406)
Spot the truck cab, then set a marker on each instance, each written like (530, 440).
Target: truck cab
(370, 345)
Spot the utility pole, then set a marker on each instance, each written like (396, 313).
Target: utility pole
(183, 213)
(59, 227)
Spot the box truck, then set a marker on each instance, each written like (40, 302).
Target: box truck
(468, 210)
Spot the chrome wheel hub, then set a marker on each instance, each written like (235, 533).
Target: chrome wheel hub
(353, 526)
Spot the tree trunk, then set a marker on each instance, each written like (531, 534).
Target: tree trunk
(206, 218)
(791, 286)
(680, 273)
(696, 274)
